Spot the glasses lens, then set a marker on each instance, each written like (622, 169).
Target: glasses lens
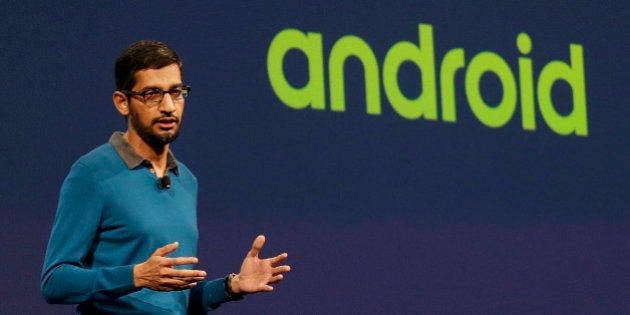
(153, 96)
(176, 94)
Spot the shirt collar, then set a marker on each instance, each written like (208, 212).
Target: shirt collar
(132, 158)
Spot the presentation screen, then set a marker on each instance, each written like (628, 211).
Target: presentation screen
(412, 157)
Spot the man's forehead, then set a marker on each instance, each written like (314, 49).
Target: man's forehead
(165, 77)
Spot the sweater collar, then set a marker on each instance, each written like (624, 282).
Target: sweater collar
(132, 158)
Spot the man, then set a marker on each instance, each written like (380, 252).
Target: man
(129, 204)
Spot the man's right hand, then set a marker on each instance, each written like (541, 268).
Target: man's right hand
(157, 273)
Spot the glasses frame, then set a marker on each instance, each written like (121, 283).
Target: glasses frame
(185, 90)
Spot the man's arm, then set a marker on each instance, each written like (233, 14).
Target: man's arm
(66, 276)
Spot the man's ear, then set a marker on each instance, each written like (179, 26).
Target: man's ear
(121, 102)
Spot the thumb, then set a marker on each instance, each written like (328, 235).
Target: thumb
(258, 244)
(166, 249)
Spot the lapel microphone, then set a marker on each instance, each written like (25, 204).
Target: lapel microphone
(164, 182)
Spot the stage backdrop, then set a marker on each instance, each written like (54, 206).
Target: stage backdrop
(410, 156)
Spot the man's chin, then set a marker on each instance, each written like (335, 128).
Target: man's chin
(168, 137)
(170, 133)
(161, 139)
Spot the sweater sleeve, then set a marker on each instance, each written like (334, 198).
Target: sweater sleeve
(67, 276)
(207, 296)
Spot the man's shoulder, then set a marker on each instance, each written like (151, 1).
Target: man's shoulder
(104, 152)
(102, 159)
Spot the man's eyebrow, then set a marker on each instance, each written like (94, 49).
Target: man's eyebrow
(153, 87)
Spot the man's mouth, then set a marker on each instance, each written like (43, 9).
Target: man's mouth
(166, 122)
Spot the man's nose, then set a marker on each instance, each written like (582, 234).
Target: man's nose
(167, 104)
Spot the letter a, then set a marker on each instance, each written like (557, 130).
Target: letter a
(312, 93)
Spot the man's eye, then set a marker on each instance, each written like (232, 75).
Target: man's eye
(151, 93)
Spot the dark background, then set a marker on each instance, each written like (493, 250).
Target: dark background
(379, 214)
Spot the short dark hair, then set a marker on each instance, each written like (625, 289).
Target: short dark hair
(145, 54)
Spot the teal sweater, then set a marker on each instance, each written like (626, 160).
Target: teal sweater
(111, 217)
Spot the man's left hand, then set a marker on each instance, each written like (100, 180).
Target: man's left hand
(257, 274)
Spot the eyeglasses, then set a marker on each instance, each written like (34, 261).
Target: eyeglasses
(155, 96)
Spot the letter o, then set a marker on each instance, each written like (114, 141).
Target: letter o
(491, 116)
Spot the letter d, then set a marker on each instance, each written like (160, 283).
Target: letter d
(556, 70)
(424, 58)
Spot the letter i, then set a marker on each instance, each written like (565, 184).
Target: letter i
(524, 44)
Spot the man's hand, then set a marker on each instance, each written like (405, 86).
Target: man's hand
(157, 273)
(257, 274)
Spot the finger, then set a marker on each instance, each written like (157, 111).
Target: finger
(177, 288)
(278, 259)
(179, 261)
(258, 244)
(281, 269)
(275, 279)
(177, 284)
(166, 249)
(191, 279)
(182, 273)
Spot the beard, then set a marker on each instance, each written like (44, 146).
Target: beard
(153, 139)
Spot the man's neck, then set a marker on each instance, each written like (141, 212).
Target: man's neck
(157, 156)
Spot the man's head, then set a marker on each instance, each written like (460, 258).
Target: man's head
(150, 92)
(145, 54)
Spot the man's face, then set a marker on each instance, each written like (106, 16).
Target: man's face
(157, 124)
